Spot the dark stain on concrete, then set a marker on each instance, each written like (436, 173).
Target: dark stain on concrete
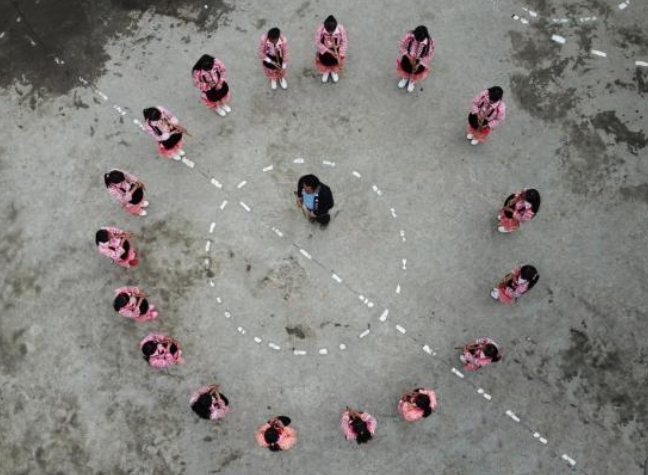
(78, 32)
(612, 125)
(296, 331)
(639, 192)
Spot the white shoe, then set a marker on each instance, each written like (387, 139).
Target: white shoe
(182, 153)
(335, 77)
(474, 142)
(410, 87)
(220, 111)
(284, 83)
(469, 137)
(177, 157)
(143, 213)
(226, 108)
(495, 294)
(325, 77)
(402, 83)
(273, 84)
(145, 204)
(502, 229)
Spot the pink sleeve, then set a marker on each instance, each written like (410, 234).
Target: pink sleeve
(404, 42)
(427, 59)
(284, 51)
(219, 68)
(499, 116)
(432, 395)
(124, 290)
(118, 194)
(288, 438)
(321, 48)
(344, 423)
(259, 435)
(344, 42)
(479, 98)
(195, 75)
(130, 178)
(370, 420)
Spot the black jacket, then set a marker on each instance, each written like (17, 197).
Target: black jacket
(323, 200)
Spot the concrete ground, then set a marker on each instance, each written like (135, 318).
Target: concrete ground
(76, 396)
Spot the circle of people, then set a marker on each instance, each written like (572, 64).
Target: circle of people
(315, 199)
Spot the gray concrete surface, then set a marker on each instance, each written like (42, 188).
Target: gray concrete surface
(76, 397)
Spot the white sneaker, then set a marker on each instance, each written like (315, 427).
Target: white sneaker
(145, 204)
(273, 84)
(226, 108)
(177, 157)
(495, 294)
(220, 111)
(502, 229)
(474, 142)
(325, 77)
(182, 153)
(143, 213)
(410, 87)
(402, 83)
(284, 83)
(469, 137)
(335, 77)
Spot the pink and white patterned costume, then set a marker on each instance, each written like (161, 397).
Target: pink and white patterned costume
(347, 428)
(519, 211)
(474, 358)
(512, 288)
(133, 309)
(214, 89)
(326, 43)
(219, 407)
(271, 54)
(165, 132)
(164, 355)
(118, 248)
(421, 51)
(494, 114)
(287, 435)
(122, 193)
(408, 409)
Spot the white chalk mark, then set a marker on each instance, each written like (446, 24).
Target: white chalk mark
(206, 7)
(398, 289)
(306, 254)
(211, 283)
(328, 163)
(370, 304)
(457, 372)
(641, 63)
(361, 297)
(207, 262)
(365, 333)
(241, 330)
(212, 226)
(188, 162)
(244, 206)
(487, 396)
(543, 440)
(273, 346)
(536, 435)
(336, 278)
(241, 185)
(31, 42)
(57, 60)
(524, 21)
(480, 391)
(401, 329)
(599, 53)
(223, 204)
(299, 352)
(207, 246)
(257, 339)
(623, 6)
(357, 174)
(383, 316)
(2, 35)
(268, 168)
(227, 315)
(342, 346)
(277, 232)
(404, 264)
(323, 351)
(427, 349)
(83, 80)
(568, 459)
(393, 213)
(219, 300)
(216, 183)
(298, 160)
(366, 301)
(402, 235)
(515, 17)
(532, 13)
(558, 39)
(512, 416)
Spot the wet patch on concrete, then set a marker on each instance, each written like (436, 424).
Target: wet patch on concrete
(288, 277)
(608, 122)
(297, 331)
(639, 192)
(79, 32)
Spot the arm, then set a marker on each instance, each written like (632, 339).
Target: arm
(404, 44)
(344, 42)
(478, 99)
(319, 43)
(325, 201)
(499, 116)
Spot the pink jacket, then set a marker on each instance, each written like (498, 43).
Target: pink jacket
(494, 113)
(324, 41)
(423, 51)
(517, 287)
(410, 411)
(163, 358)
(206, 80)
(477, 359)
(347, 429)
(113, 248)
(287, 435)
(132, 309)
(120, 192)
(267, 48)
(218, 408)
(162, 129)
(522, 210)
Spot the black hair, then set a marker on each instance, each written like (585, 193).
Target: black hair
(311, 181)
(205, 63)
(285, 420)
(114, 176)
(152, 113)
(121, 300)
(149, 348)
(330, 24)
(495, 93)
(274, 33)
(421, 33)
(173, 348)
(271, 437)
(422, 401)
(530, 274)
(361, 429)
(492, 352)
(202, 405)
(532, 196)
(102, 236)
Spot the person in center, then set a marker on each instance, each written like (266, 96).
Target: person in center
(315, 199)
